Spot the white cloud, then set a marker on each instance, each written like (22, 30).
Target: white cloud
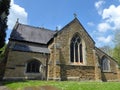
(110, 21)
(16, 11)
(98, 6)
(103, 27)
(107, 39)
(90, 24)
(112, 16)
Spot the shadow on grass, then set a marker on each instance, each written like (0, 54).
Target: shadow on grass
(6, 82)
(30, 87)
(41, 88)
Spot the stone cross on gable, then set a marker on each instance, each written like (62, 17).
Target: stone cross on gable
(17, 20)
(75, 15)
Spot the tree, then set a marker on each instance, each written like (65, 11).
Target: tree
(2, 51)
(107, 49)
(116, 54)
(4, 12)
(117, 37)
(116, 50)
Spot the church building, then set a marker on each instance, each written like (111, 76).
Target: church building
(67, 54)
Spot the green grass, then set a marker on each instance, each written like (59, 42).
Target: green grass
(65, 85)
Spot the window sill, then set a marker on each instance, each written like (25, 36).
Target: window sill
(107, 71)
(75, 63)
(32, 73)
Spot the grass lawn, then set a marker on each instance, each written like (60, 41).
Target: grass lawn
(65, 85)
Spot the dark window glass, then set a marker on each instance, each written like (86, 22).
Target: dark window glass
(76, 52)
(76, 49)
(33, 66)
(81, 57)
(72, 52)
(105, 64)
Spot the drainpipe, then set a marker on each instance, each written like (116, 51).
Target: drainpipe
(47, 67)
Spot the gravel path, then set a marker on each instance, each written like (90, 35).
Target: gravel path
(42, 88)
(3, 87)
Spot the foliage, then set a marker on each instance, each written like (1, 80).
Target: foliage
(65, 85)
(107, 49)
(2, 50)
(117, 38)
(116, 54)
(116, 50)
(4, 12)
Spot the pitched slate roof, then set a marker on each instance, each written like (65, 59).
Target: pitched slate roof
(30, 48)
(38, 35)
(31, 34)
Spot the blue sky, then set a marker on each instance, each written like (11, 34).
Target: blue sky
(101, 18)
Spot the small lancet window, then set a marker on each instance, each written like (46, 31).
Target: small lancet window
(105, 64)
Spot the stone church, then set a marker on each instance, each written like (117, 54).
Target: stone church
(67, 54)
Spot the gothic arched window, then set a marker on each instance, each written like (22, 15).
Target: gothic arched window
(33, 66)
(76, 49)
(105, 64)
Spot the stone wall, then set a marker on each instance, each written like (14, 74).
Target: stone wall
(16, 65)
(118, 74)
(113, 74)
(72, 72)
(63, 39)
(60, 66)
(2, 68)
(109, 76)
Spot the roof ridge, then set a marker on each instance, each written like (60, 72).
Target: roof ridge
(40, 28)
(105, 53)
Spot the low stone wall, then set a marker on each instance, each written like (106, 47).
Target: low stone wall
(109, 76)
(73, 72)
